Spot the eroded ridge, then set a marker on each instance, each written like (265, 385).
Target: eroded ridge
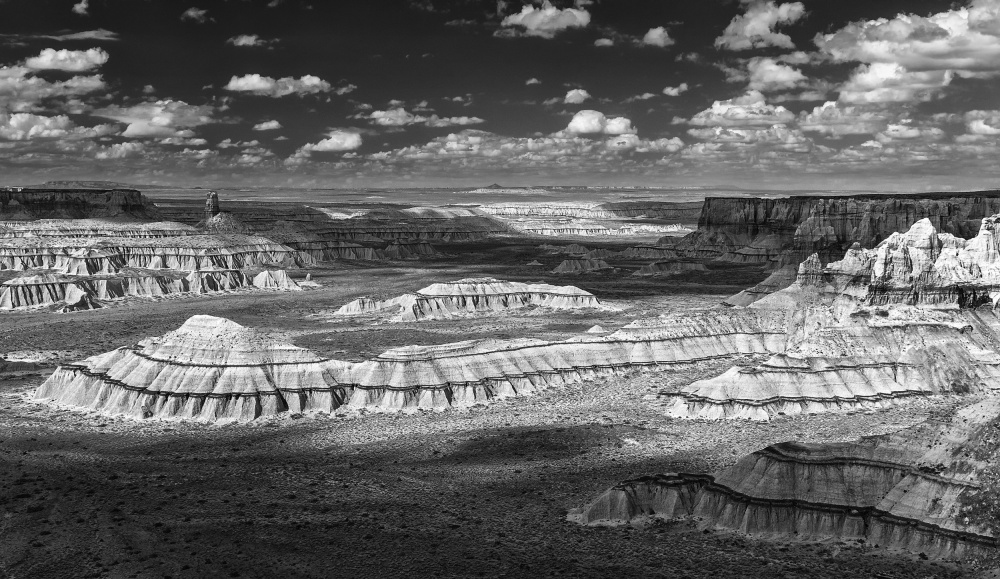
(898, 321)
(928, 489)
(470, 297)
(205, 384)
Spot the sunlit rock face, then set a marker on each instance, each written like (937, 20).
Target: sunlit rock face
(667, 268)
(471, 297)
(581, 266)
(878, 327)
(73, 203)
(89, 228)
(930, 489)
(683, 212)
(142, 380)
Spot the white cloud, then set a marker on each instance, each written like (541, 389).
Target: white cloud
(532, 80)
(195, 15)
(20, 91)
(604, 42)
(983, 122)
(658, 37)
(835, 121)
(748, 110)
(250, 40)
(775, 137)
(676, 90)
(640, 97)
(163, 118)
(26, 126)
(546, 21)
(907, 132)
(120, 151)
(267, 126)
(768, 75)
(187, 141)
(576, 96)
(82, 8)
(398, 117)
(589, 122)
(67, 60)
(337, 141)
(267, 86)
(884, 82)
(632, 142)
(755, 28)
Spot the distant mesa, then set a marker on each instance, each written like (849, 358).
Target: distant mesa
(580, 266)
(474, 296)
(668, 268)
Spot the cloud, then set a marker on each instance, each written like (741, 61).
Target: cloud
(604, 42)
(576, 96)
(658, 37)
(26, 126)
(640, 97)
(749, 110)
(67, 60)
(589, 122)
(82, 7)
(631, 142)
(121, 151)
(755, 28)
(676, 90)
(250, 40)
(907, 132)
(398, 117)
(267, 126)
(196, 15)
(835, 121)
(267, 86)
(21, 91)
(767, 75)
(884, 82)
(982, 122)
(163, 118)
(546, 21)
(336, 141)
(775, 137)
(532, 80)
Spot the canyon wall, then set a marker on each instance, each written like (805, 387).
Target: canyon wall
(18, 203)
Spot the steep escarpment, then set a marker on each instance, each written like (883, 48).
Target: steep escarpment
(473, 296)
(19, 203)
(581, 266)
(193, 373)
(93, 228)
(930, 489)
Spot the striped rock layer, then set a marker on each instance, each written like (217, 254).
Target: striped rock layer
(472, 296)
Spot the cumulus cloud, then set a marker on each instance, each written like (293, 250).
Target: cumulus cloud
(834, 120)
(532, 80)
(676, 90)
(907, 132)
(748, 110)
(589, 122)
(20, 90)
(658, 37)
(196, 15)
(398, 117)
(775, 137)
(120, 151)
(26, 126)
(756, 27)
(547, 20)
(980, 122)
(640, 97)
(163, 118)
(267, 126)
(576, 96)
(250, 40)
(884, 82)
(67, 60)
(82, 8)
(604, 42)
(337, 141)
(267, 86)
(765, 74)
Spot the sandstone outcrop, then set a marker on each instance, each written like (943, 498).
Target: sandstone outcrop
(581, 266)
(687, 212)
(26, 203)
(472, 296)
(93, 228)
(666, 268)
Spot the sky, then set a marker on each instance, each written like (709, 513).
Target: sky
(815, 94)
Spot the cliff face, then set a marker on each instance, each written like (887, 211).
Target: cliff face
(26, 204)
(785, 231)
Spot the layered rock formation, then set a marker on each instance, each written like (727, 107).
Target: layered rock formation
(930, 489)
(665, 268)
(18, 203)
(581, 266)
(677, 212)
(472, 296)
(202, 371)
(93, 228)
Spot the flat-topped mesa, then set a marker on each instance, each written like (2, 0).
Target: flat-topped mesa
(90, 292)
(473, 296)
(124, 381)
(641, 252)
(185, 253)
(23, 203)
(93, 228)
(667, 268)
(577, 266)
(930, 489)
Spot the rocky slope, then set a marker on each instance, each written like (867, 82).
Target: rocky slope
(581, 266)
(92, 228)
(470, 297)
(664, 268)
(677, 212)
(18, 203)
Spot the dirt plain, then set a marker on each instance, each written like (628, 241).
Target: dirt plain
(475, 493)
